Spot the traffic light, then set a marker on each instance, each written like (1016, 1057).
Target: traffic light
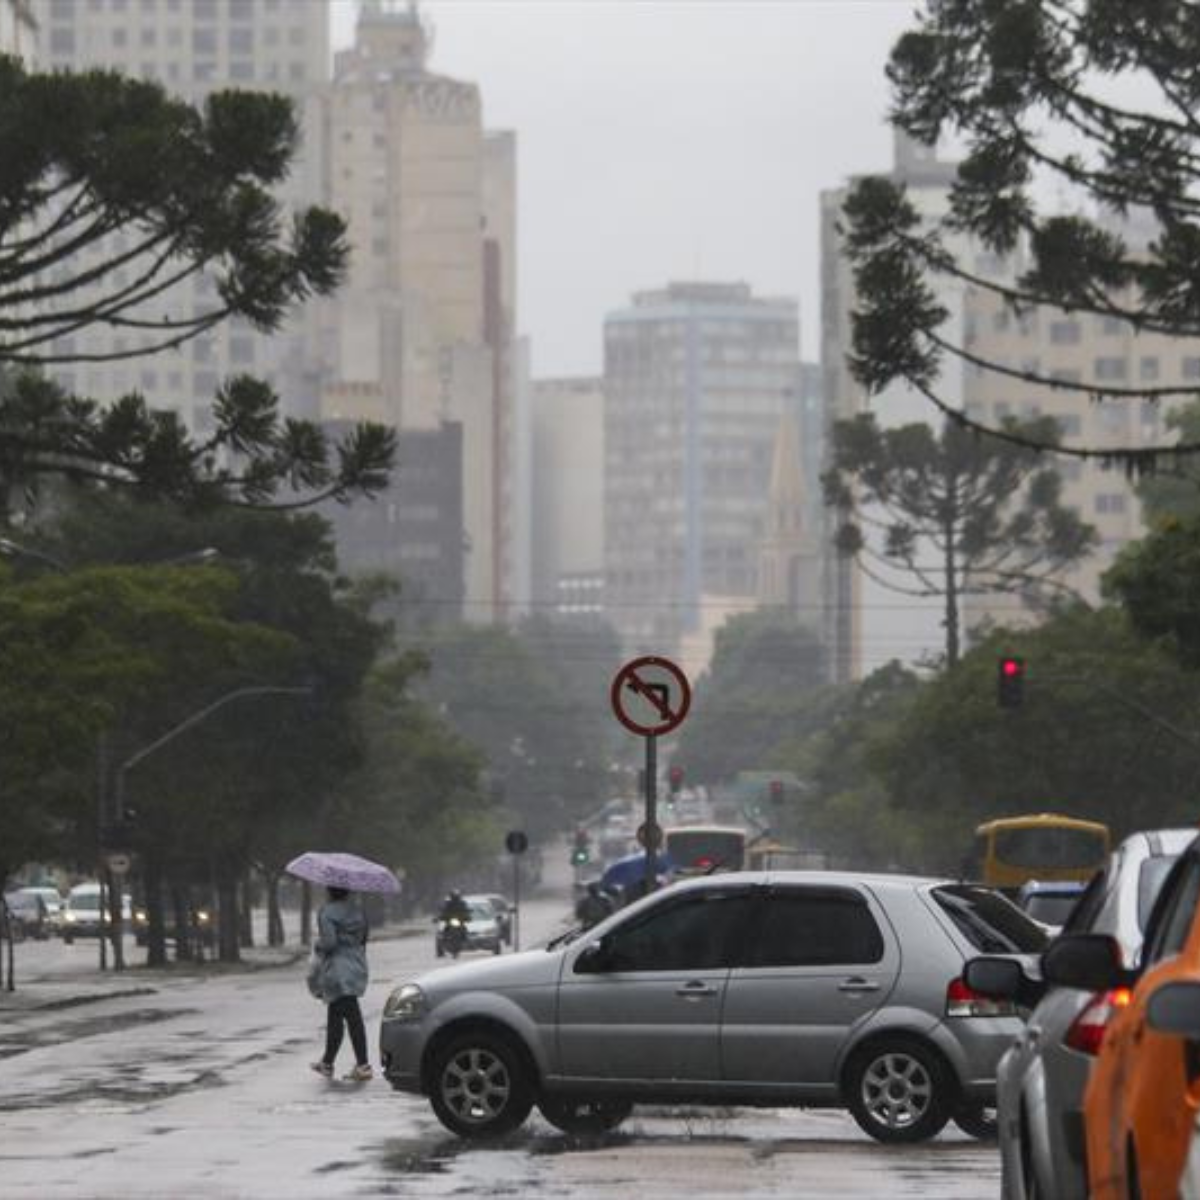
(582, 851)
(675, 779)
(1010, 681)
(775, 791)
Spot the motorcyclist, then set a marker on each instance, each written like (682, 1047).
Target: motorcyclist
(594, 905)
(454, 906)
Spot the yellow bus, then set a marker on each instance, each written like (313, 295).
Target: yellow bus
(1010, 851)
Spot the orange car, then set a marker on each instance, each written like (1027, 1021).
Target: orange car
(1144, 1089)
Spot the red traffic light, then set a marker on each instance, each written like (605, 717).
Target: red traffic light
(1010, 681)
(1012, 666)
(675, 778)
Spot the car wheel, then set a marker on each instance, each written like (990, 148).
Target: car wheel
(898, 1090)
(438, 949)
(479, 1086)
(1133, 1177)
(978, 1120)
(497, 946)
(68, 939)
(580, 1115)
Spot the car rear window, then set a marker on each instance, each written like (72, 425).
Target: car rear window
(1150, 880)
(992, 924)
(1052, 908)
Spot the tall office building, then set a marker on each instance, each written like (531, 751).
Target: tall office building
(193, 47)
(18, 29)
(568, 496)
(696, 379)
(422, 332)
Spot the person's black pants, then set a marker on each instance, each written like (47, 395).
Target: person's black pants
(343, 1012)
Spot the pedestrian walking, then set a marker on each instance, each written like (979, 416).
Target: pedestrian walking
(339, 977)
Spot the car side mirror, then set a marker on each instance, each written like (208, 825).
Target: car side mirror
(1088, 961)
(1002, 979)
(1175, 1008)
(593, 959)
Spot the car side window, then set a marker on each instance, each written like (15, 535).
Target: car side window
(1083, 916)
(697, 932)
(1173, 917)
(809, 927)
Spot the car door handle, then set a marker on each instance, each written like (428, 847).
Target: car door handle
(857, 984)
(695, 990)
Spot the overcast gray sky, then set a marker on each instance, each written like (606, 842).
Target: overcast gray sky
(668, 139)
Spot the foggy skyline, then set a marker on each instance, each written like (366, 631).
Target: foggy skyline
(668, 140)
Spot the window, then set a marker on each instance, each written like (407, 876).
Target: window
(811, 927)
(62, 41)
(241, 350)
(204, 41)
(1070, 425)
(1191, 368)
(1110, 502)
(989, 922)
(694, 933)
(120, 37)
(1111, 326)
(1064, 333)
(241, 41)
(1148, 369)
(1173, 919)
(1151, 878)
(1109, 368)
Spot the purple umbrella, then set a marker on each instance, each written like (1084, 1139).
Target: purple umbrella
(343, 871)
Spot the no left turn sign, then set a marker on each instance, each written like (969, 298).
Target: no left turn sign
(650, 695)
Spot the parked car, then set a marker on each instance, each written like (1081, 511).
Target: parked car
(1040, 1080)
(51, 897)
(25, 916)
(81, 913)
(501, 910)
(1050, 901)
(807, 988)
(1140, 1099)
(482, 929)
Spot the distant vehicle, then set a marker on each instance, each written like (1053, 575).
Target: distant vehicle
(821, 989)
(202, 930)
(1050, 902)
(1011, 851)
(1040, 1081)
(702, 849)
(501, 909)
(25, 916)
(52, 899)
(480, 931)
(82, 916)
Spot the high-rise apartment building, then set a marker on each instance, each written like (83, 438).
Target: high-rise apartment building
(193, 47)
(866, 623)
(422, 331)
(696, 380)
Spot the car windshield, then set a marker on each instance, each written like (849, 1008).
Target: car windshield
(989, 922)
(1047, 848)
(85, 902)
(1150, 880)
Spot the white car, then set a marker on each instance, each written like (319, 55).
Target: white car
(81, 914)
(52, 899)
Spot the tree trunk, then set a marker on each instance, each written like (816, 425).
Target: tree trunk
(116, 922)
(275, 934)
(306, 915)
(185, 950)
(227, 917)
(950, 567)
(246, 911)
(156, 932)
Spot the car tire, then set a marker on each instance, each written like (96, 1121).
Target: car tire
(479, 1086)
(979, 1121)
(898, 1090)
(497, 946)
(68, 939)
(580, 1115)
(439, 950)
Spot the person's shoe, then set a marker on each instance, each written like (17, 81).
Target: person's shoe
(323, 1068)
(360, 1074)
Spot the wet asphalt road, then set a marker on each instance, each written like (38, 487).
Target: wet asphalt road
(199, 1086)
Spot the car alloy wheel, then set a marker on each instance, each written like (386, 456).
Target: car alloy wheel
(480, 1086)
(579, 1115)
(897, 1091)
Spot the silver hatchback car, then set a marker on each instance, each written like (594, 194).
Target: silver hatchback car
(809, 988)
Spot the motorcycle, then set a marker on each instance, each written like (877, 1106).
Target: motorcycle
(452, 939)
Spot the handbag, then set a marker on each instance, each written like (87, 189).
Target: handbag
(316, 965)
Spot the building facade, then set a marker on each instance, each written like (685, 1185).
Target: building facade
(192, 48)
(696, 379)
(18, 29)
(422, 331)
(568, 496)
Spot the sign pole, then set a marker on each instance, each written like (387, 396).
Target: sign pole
(516, 914)
(651, 875)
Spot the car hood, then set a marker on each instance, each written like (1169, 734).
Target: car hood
(530, 968)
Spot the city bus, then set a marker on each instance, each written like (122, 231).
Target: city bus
(1010, 851)
(698, 849)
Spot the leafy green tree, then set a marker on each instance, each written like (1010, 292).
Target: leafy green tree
(764, 667)
(113, 193)
(1036, 92)
(1173, 490)
(955, 515)
(1104, 732)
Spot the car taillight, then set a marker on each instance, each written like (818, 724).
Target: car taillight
(1087, 1030)
(962, 1001)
